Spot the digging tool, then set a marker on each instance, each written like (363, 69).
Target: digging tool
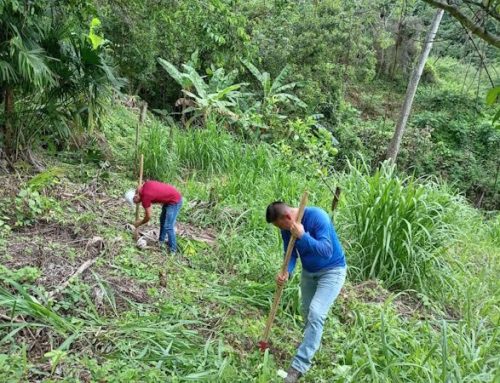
(137, 207)
(142, 117)
(264, 343)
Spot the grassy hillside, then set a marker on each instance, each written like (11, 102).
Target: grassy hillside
(421, 303)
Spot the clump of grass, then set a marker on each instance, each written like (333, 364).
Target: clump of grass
(210, 150)
(399, 229)
(160, 161)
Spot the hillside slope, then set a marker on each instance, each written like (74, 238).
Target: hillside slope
(143, 316)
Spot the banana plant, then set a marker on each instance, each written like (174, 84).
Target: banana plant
(275, 92)
(274, 96)
(204, 99)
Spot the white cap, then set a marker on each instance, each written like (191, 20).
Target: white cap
(129, 196)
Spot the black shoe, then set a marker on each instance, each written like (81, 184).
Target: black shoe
(292, 375)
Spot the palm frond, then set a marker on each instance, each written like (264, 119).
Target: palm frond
(7, 73)
(116, 82)
(31, 64)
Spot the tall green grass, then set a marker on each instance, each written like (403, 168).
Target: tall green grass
(399, 229)
(136, 342)
(160, 162)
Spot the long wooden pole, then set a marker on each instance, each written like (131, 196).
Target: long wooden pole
(279, 289)
(142, 118)
(139, 184)
(411, 90)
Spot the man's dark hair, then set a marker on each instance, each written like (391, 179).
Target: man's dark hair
(275, 210)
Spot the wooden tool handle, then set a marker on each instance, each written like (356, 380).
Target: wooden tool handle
(141, 167)
(279, 290)
(272, 314)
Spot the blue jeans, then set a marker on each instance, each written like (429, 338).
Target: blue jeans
(319, 291)
(167, 224)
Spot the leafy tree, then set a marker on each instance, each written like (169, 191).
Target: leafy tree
(141, 31)
(54, 71)
(23, 61)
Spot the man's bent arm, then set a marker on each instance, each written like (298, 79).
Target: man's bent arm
(147, 217)
(321, 245)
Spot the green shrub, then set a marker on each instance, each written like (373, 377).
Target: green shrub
(26, 274)
(30, 206)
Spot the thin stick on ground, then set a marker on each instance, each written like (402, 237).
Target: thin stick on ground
(8, 318)
(84, 266)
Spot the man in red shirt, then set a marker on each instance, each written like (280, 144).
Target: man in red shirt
(158, 192)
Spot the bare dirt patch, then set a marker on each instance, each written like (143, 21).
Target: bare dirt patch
(54, 249)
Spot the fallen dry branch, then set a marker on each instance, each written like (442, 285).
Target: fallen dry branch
(8, 318)
(85, 265)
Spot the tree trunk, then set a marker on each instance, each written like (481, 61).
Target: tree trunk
(8, 129)
(393, 150)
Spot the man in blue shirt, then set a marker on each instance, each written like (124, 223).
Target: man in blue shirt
(323, 273)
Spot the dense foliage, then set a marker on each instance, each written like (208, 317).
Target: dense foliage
(54, 73)
(349, 63)
(247, 102)
(332, 67)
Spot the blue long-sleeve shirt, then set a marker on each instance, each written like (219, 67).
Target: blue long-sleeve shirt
(319, 248)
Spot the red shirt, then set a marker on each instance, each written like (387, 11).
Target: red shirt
(158, 192)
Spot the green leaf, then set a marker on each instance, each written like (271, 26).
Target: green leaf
(7, 72)
(278, 81)
(497, 116)
(492, 95)
(95, 23)
(253, 69)
(95, 39)
(196, 80)
(181, 78)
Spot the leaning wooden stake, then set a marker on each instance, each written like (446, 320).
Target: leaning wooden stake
(264, 343)
(336, 198)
